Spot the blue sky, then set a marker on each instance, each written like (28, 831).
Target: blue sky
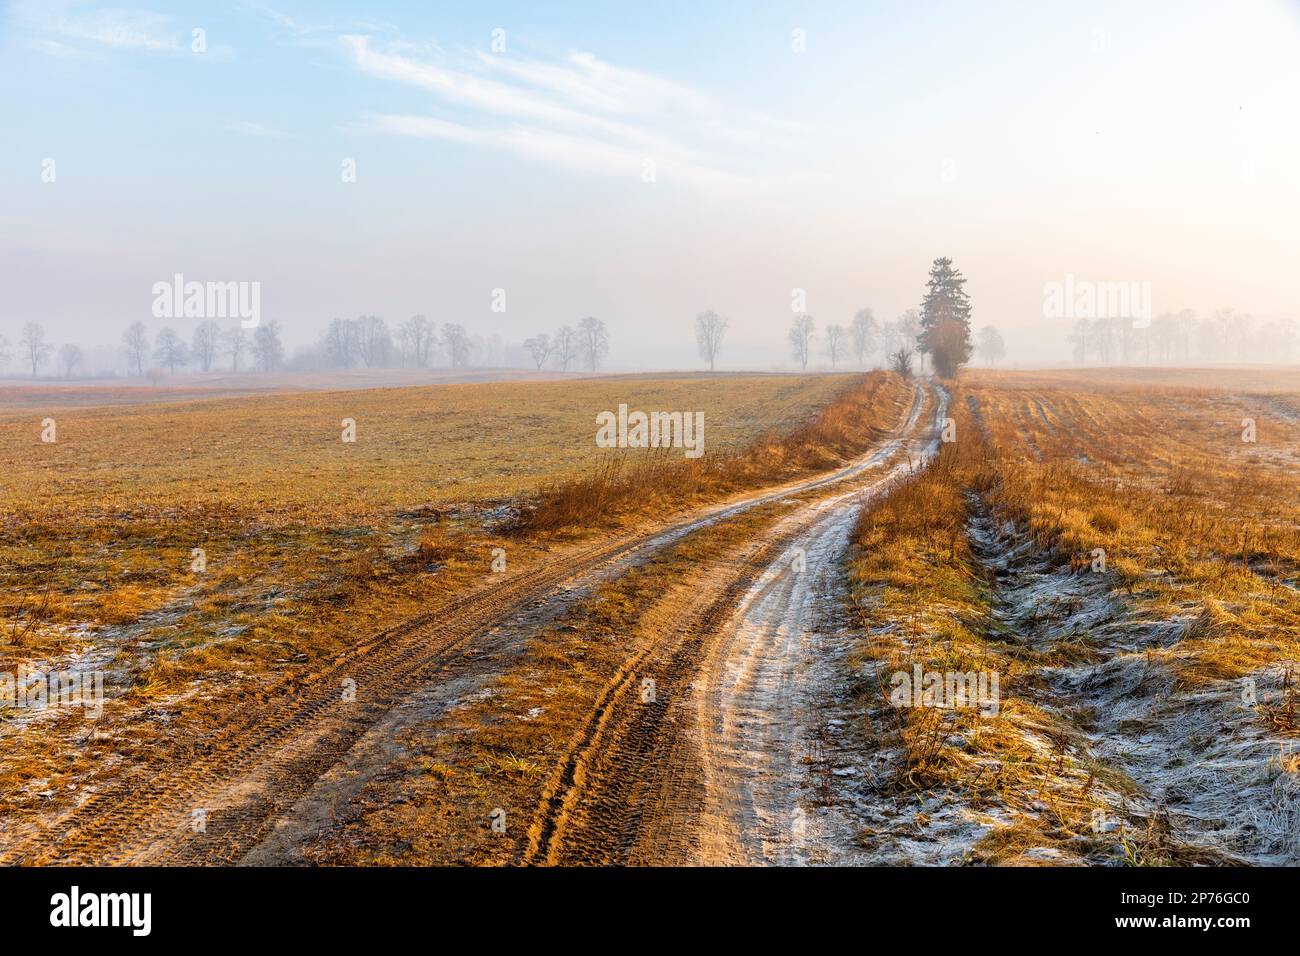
(1024, 140)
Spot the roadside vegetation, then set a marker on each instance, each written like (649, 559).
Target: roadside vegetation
(1127, 565)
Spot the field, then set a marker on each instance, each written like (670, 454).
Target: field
(308, 542)
(685, 661)
(1127, 564)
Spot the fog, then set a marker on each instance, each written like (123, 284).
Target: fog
(415, 162)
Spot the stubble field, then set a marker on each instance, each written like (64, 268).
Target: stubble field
(1118, 553)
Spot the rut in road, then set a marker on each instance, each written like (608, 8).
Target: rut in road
(254, 771)
(709, 770)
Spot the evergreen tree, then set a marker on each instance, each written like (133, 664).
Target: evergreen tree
(945, 319)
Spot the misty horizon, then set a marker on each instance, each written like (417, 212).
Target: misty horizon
(403, 163)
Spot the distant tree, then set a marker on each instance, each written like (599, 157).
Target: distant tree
(155, 375)
(945, 319)
(4, 350)
(901, 362)
(1184, 329)
(135, 340)
(457, 342)
(1163, 334)
(1104, 337)
(593, 341)
(1277, 340)
(566, 346)
(268, 350)
(891, 339)
(236, 342)
(34, 345)
(835, 339)
(1237, 327)
(864, 335)
(207, 335)
(709, 330)
(69, 358)
(373, 341)
(540, 348)
(800, 336)
(1210, 338)
(909, 332)
(1079, 338)
(990, 346)
(339, 342)
(169, 350)
(420, 337)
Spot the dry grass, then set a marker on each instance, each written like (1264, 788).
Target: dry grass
(309, 543)
(524, 718)
(987, 562)
(661, 479)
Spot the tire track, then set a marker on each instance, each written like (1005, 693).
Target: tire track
(634, 782)
(258, 767)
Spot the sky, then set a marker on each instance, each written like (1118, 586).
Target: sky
(644, 162)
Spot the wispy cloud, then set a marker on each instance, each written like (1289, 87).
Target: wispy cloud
(577, 111)
(80, 30)
(310, 31)
(122, 29)
(66, 29)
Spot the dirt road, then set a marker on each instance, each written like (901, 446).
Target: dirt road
(214, 800)
(718, 767)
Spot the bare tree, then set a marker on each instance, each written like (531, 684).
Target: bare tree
(169, 349)
(34, 345)
(1079, 338)
(593, 340)
(891, 339)
(236, 345)
(373, 341)
(4, 350)
(709, 330)
(566, 346)
(457, 341)
(1238, 327)
(268, 350)
(909, 331)
(69, 358)
(135, 340)
(204, 347)
(800, 335)
(864, 335)
(835, 338)
(540, 348)
(340, 342)
(419, 336)
(990, 346)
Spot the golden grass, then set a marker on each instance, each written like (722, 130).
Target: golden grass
(310, 544)
(1196, 527)
(281, 457)
(661, 479)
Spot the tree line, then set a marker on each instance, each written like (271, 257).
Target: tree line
(939, 330)
(364, 342)
(1224, 336)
